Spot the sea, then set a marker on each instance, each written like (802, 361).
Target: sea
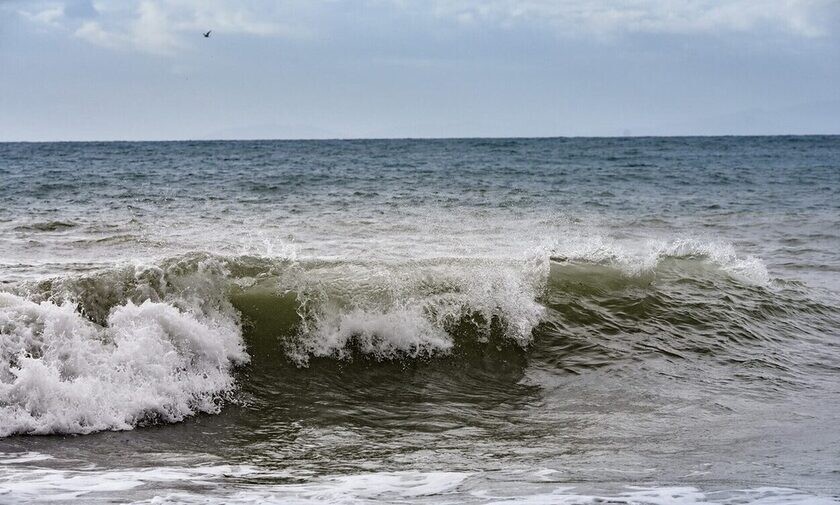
(477, 321)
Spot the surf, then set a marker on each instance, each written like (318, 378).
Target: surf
(140, 344)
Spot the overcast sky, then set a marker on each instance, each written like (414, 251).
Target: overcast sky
(127, 69)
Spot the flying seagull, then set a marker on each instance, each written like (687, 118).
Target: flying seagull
(207, 34)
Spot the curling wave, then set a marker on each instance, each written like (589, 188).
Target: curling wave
(157, 343)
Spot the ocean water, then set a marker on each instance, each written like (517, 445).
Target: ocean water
(518, 321)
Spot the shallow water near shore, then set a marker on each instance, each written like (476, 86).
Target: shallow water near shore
(642, 320)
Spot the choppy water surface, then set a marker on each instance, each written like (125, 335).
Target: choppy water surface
(435, 321)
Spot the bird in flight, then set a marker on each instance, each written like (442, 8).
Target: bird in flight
(207, 34)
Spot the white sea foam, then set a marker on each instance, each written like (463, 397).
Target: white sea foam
(563, 495)
(386, 487)
(24, 457)
(406, 309)
(222, 484)
(745, 267)
(401, 331)
(633, 495)
(60, 373)
(24, 484)
(639, 257)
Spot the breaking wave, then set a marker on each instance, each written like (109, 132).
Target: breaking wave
(61, 373)
(138, 344)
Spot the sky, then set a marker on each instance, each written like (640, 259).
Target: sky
(141, 69)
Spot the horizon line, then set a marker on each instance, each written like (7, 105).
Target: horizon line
(350, 139)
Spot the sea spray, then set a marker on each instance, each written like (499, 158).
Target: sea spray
(61, 373)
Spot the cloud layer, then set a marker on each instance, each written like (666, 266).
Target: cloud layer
(799, 17)
(163, 27)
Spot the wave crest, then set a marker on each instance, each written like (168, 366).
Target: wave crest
(416, 310)
(640, 259)
(142, 343)
(61, 373)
